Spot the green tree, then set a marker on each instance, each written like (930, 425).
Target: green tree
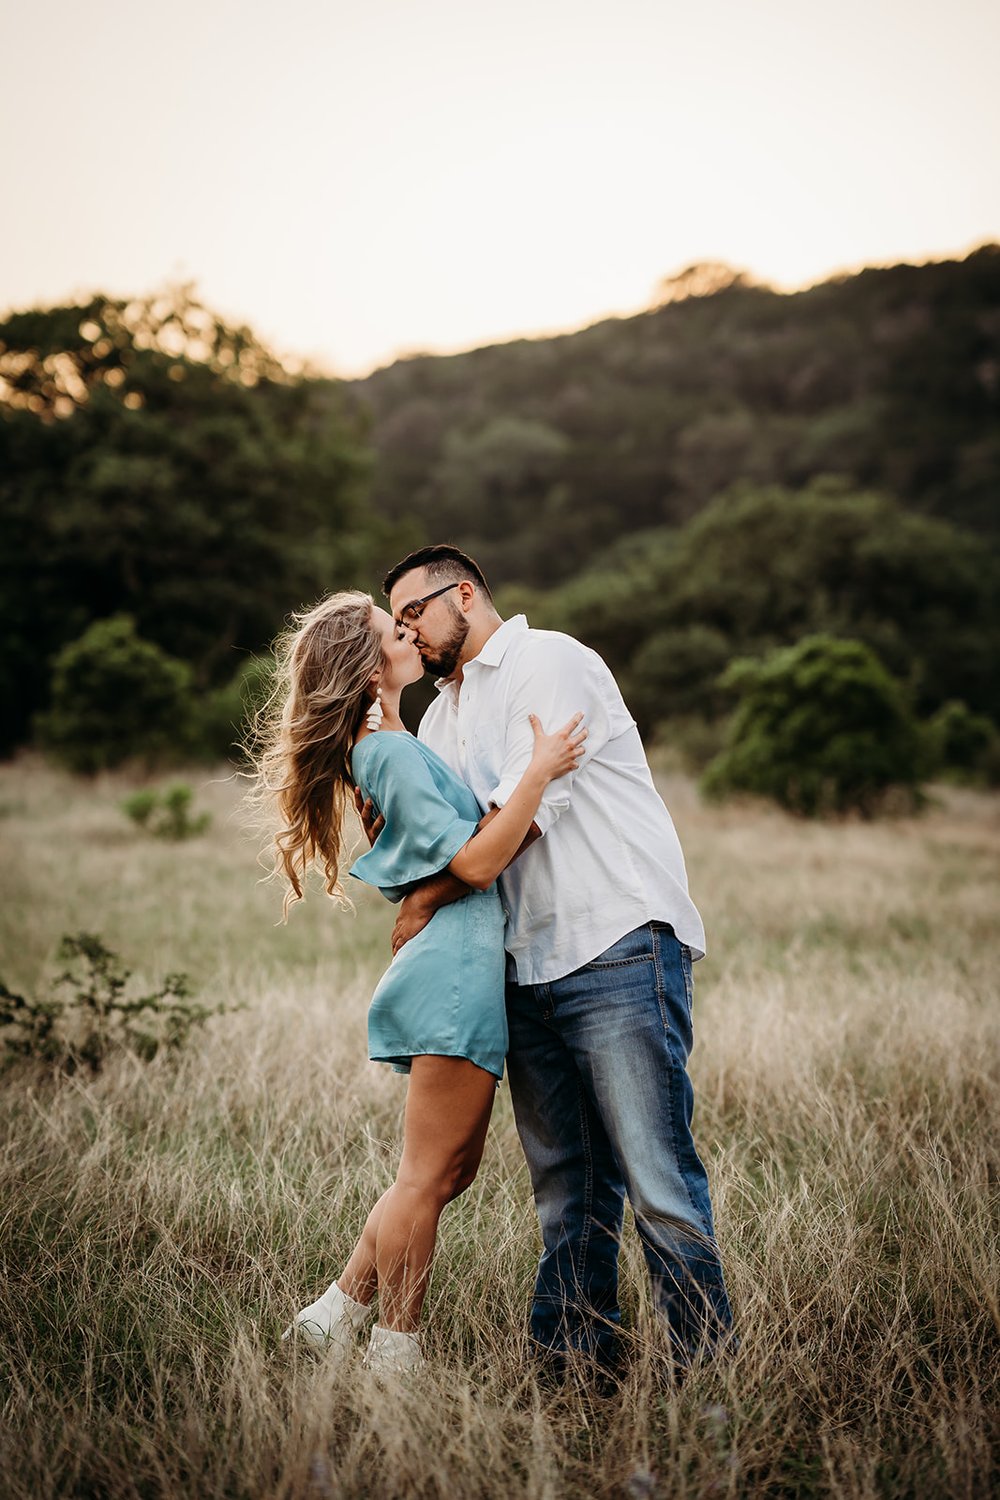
(156, 461)
(821, 727)
(497, 476)
(115, 696)
(673, 673)
(963, 745)
(224, 717)
(763, 566)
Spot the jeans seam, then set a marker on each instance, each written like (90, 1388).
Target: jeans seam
(620, 963)
(688, 979)
(677, 1158)
(661, 999)
(661, 992)
(588, 1192)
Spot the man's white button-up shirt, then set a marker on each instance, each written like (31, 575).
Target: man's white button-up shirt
(609, 859)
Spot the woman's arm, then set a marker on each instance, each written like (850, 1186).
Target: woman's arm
(480, 861)
(419, 906)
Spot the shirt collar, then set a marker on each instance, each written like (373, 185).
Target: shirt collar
(499, 642)
(495, 648)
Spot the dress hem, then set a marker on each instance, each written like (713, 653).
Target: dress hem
(397, 1061)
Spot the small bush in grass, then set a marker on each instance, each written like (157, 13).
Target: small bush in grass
(821, 727)
(115, 696)
(166, 814)
(90, 1013)
(963, 745)
(139, 807)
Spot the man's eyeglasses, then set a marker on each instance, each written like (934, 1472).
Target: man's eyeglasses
(410, 613)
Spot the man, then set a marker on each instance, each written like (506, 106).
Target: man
(601, 933)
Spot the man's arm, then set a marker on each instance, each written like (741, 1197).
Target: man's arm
(561, 674)
(372, 822)
(419, 906)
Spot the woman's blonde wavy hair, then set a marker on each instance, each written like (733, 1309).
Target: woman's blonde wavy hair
(304, 735)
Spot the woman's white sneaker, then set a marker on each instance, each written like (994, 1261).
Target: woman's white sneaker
(392, 1352)
(331, 1323)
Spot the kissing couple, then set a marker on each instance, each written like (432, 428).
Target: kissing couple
(544, 922)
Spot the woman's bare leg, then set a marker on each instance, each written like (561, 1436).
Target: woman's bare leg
(448, 1107)
(359, 1278)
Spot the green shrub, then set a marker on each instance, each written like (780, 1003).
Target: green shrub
(166, 814)
(687, 743)
(115, 696)
(962, 745)
(672, 673)
(139, 807)
(821, 727)
(90, 1014)
(222, 718)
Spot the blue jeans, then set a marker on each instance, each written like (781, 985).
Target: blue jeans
(603, 1103)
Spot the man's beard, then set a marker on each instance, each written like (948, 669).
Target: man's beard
(446, 655)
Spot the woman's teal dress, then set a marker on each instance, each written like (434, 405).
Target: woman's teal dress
(443, 993)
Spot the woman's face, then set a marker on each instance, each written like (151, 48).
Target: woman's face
(402, 659)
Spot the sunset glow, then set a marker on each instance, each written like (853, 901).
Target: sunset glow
(358, 181)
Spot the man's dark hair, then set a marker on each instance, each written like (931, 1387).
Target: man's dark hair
(443, 563)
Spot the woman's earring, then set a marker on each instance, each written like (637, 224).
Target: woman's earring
(375, 714)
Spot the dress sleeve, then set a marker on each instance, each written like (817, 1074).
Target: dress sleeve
(423, 831)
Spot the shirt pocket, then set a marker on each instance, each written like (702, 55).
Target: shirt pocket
(488, 744)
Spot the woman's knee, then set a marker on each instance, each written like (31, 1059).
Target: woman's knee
(442, 1181)
(464, 1179)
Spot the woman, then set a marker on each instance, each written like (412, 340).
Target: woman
(438, 1011)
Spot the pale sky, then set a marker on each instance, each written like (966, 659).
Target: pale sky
(362, 180)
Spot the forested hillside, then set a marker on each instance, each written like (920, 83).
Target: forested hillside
(539, 453)
(719, 476)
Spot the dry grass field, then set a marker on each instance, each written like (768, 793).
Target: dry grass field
(160, 1221)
